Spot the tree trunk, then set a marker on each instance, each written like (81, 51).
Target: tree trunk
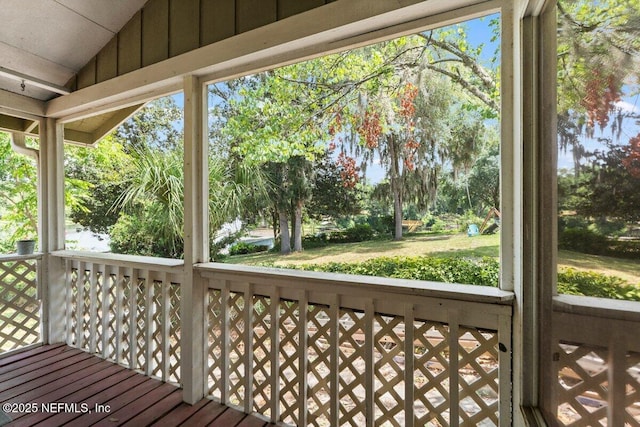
(397, 216)
(297, 245)
(396, 188)
(274, 222)
(285, 239)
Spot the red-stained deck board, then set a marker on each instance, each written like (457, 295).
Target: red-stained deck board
(24, 383)
(57, 373)
(88, 386)
(179, 414)
(24, 357)
(206, 415)
(36, 365)
(157, 410)
(253, 422)
(124, 396)
(230, 417)
(60, 389)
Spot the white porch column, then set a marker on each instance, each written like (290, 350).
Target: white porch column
(196, 239)
(51, 228)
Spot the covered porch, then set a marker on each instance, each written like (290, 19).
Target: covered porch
(292, 347)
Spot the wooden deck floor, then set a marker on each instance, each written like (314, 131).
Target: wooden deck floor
(47, 377)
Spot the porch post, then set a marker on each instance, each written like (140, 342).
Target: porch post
(51, 228)
(196, 239)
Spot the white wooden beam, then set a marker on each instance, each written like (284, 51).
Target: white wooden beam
(77, 136)
(21, 104)
(314, 32)
(33, 81)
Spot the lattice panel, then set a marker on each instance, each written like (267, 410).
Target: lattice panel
(478, 376)
(139, 361)
(632, 390)
(72, 308)
(237, 331)
(262, 349)
(125, 349)
(19, 308)
(215, 322)
(85, 303)
(112, 313)
(174, 333)
(351, 367)
(373, 372)
(318, 365)
(431, 373)
(389, 370)
(97, 310)
(583, 392)
(289, 362)
(157, 340)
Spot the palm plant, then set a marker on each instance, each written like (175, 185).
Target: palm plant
(155, 197)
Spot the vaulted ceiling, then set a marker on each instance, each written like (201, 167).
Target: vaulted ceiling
(46, 42)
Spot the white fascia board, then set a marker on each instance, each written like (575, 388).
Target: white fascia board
(310, 33)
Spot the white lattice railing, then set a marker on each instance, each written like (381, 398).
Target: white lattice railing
(19, 302)
(321, 349)
(125, 309)
(596, 356)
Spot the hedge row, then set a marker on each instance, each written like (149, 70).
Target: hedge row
(590, 242)
(483, 272)
(242, 248)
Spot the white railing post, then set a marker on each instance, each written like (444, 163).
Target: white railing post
(51, 228)
(196, 237)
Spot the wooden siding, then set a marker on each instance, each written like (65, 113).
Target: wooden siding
(168, 28)
(130, 45)
(59, 374)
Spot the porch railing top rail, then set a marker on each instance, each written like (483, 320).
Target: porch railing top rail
(16, 257)
(135, 261)
(361, 284)
(597, 307)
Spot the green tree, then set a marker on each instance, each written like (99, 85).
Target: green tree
(107, 168)
(18, 195)
(598, 63)
(155, 125)
(336, 192)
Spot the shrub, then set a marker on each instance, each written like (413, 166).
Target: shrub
(583, 240)
(243, 248)
(359, 233)
(588, 241)
(318, 241)
(589, 283)
(382, 224)
(483, 272)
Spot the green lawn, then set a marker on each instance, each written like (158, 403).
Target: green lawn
(436, 245)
